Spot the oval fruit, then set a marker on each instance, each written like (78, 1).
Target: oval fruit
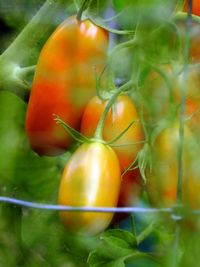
(64, 81)
(90, 178)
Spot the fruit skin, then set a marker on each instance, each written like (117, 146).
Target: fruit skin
(118, 118)
(64, 81)
(90, 178)
(195, 7)
(163, 178)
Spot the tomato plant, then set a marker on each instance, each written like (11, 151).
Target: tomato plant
(194, 40)
(64, 81)
(130, 192)
(162, 180)
(90, 178)
(162, 92)
(119, 117)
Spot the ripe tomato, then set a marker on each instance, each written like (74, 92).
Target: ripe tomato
(163, 178)
(64, 81)
(118, 118)
(195, 7)
(90, 178)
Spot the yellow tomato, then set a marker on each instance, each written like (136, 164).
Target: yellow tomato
(90, 178)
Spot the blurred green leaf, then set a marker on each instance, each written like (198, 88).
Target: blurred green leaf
(116, 246)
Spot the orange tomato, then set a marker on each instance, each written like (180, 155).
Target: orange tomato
(118, 118)
(64, 81)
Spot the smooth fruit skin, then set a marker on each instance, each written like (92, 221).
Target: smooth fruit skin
(195, 7)
(90, 178)
(118, 118)
(64, 81)
(162, 180)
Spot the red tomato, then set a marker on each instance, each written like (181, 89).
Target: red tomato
(162, 180)
(64, 81)
(195, 7)
(118, 118)
(90, 178)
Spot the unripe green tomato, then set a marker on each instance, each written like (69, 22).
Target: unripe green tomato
(90, 178)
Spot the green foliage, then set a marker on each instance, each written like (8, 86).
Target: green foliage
(116, 246)
(149, 38)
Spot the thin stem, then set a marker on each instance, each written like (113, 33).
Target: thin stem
(24, 72)
(99, 129)
(182, 106)
(121, 46)
(41, 25)
(82, 8)
(175, 246)
(133, 225)
(182, 16)
(146, 232)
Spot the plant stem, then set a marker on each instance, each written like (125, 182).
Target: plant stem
(40, 25)
(182, 16)
(15, 60)
(99, 129)
(182, 106)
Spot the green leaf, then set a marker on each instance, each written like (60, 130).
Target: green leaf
(120, 238)
(75, 134)
(116, 246)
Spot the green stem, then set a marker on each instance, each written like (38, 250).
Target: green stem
(82, 8)
(168, 85)
(99, 129)
(147, 231)
(179, 5)
(130, 43)
(26, 48)
(182, 107)
(42, 24)
(133, 225)
(26, 71)
(175, 249)
(182, 16)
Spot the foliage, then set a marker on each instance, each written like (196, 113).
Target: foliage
(154, 58)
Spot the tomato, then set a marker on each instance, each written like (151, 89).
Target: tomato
(90, 178)
(195, 7)
(118, 118)
(162, 180)
(64, 81)
(156, 94)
